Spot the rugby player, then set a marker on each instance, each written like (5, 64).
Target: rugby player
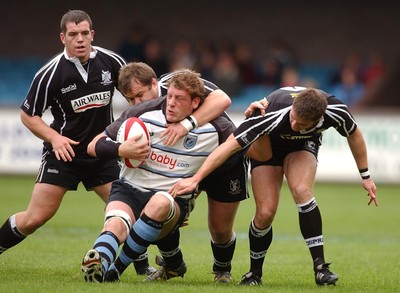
(294, 121)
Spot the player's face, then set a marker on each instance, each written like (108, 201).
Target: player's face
(297, 123)
(179, 104)
(78, 40)
(139, 93)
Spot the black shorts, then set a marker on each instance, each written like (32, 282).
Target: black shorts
(228, 183)
(281, 150)
(91, 172)
(137, 198)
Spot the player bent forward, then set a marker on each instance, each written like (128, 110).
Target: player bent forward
(294, 120)
(140, 211)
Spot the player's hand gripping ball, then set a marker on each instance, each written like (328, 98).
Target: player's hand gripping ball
(131, 127)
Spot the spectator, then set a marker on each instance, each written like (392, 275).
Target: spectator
(374, 71)
(290, 77)
(270, 72)
(247, 67)
(154, 56)
(132, 47)
(226, 73)
(349, 88)
(182, 55)
(282, 53)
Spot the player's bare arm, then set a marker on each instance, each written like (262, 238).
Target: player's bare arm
(214, 106)
(359, 150)
(61, 145)
(213, 161)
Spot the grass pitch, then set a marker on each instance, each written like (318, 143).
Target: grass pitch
(361, 241)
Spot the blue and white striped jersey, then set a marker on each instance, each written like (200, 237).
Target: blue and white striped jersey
(165, 165)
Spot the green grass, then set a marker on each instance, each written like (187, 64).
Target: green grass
(361, 241)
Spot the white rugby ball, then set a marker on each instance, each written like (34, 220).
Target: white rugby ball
(133, 126)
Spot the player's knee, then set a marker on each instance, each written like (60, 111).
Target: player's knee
(29, 224)
(221, 235)
(265, 215)
(225, 239)
(301, 192)
(122, 217)
(221, 231)
(165, 205)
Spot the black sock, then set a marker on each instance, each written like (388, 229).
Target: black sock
(260, 240)
(141, 263)
(223, 254)
(170, 251)
(10, 235)
(311, 228)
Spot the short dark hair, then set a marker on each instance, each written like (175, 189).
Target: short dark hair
(310, 104)
(76, 16)
(139, 71)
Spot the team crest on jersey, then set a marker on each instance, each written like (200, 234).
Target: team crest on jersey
(234, 187)
(190, 141)
(310, 145)
(106, 77)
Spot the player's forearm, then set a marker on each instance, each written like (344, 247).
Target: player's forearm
(38, 127)
(217, 158)
(214, 106)
(359, 149)
(92, 146)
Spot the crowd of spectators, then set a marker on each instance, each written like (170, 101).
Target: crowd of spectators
(233, 66)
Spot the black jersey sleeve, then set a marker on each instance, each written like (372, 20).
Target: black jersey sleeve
(340, 117)
(42, 89)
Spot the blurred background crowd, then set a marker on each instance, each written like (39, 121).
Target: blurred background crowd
(231, 64)
(244, 53)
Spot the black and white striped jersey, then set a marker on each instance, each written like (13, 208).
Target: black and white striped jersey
(80, 98)
(276, 122)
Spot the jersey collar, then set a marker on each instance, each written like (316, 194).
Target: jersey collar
(78, 64)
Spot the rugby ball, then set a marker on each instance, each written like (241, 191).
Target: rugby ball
(131, 127)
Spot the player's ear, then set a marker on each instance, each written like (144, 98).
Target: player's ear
(196, 102)
(62, 38)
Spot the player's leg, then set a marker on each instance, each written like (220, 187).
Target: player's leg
(117, 224)
(221, 217)
(47, 194)
(266, 182)
(159, 218)
(44, 203)
(171, 261)
(300, 170)
(103, 191)
(108, 171)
